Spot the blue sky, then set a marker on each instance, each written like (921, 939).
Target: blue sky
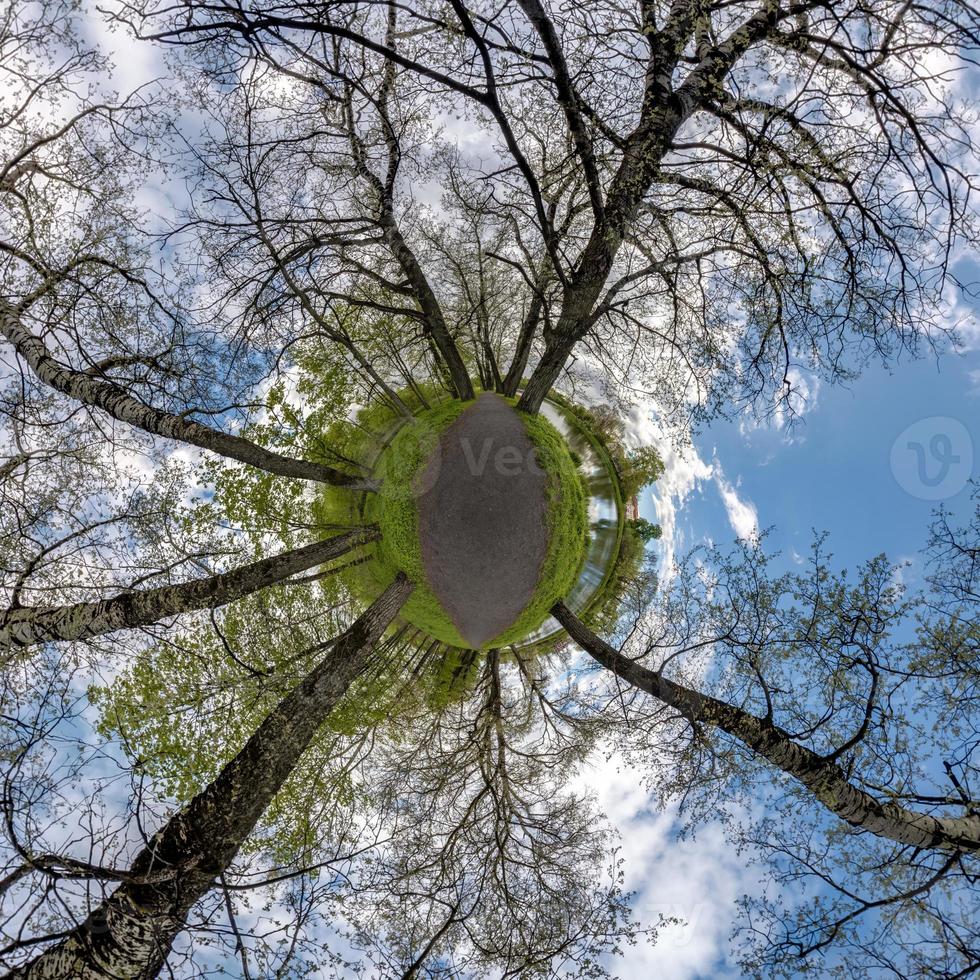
(834, 470)
(846, 468)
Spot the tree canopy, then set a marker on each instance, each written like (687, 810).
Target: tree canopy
(229, 741)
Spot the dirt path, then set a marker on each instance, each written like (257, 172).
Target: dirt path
(482, 523)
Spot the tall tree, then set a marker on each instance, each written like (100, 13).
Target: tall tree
(690, 214)
(24, 625)
(131, 933)
(845, 709)
(89, 317)
(498, 867)
(818, 772)
(120, 404)
(300, 202)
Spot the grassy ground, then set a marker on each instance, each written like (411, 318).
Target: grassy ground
(398, 457)
(568, 527)
(395, 510)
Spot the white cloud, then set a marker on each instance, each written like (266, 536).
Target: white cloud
(697, 880)
(684, 470)
(742, 513)
(957, 313)
(798, 399)
(134, 63)
(968, 336)
(790, 405)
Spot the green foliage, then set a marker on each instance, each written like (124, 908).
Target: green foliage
(634, 470)
(639, 469)
(395, 510)
(452, 679)
(263, 503)
(603, 420)
(644, 530)
(604, 428)
(603, 612)
(184, 707)
(363, 439)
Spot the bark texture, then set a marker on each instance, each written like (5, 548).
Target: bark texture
(826, 780)
(121, 405)
(663, 111)
(23, 626)
(128, 937)
(432, 318)
(525, 340)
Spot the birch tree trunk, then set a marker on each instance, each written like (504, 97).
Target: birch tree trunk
(128, 937)
(825, 780)
(121, 405)
(20, 627)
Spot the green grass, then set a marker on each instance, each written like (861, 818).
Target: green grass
(395, 510)
(362, 440)
(567, 517)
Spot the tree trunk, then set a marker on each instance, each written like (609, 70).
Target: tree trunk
(515, 373)
(128, 937)
(393, 397)
(543, 378)
(662, 114)
(118, 403)
(578, 303)
(435, 323)
(826, 780)
(21, 627)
